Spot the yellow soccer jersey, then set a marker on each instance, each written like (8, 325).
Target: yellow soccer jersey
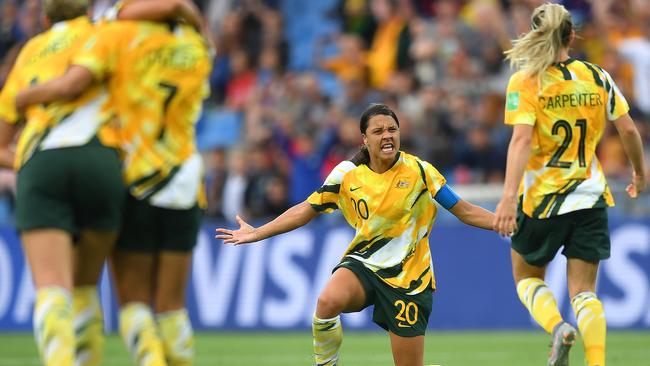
(60, 124)
(157, 79)
(569, 112)
(392, 213)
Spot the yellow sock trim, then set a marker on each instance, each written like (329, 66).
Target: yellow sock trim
(139, 332)
(53, 326)
(88, 326)
(177, 337)
(328, 336)
(593, 328)
(540, 302)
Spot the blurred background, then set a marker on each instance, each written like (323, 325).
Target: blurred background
(289, 83)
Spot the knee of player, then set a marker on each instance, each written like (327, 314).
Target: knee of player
(328, 306)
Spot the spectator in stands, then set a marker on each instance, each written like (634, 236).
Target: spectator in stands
(555, 192)
(390, 43)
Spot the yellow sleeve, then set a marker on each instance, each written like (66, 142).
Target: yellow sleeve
(326, 198)
(100, 53)
(520, 101)
(12, 86)
(433, 178)
(616, 104)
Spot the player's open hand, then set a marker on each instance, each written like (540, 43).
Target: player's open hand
(505, 217)
(245, 234)
(637, 186)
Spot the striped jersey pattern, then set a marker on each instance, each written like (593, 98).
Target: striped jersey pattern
(59, 124)
(392, 214)
(568, 107)
(157, 79)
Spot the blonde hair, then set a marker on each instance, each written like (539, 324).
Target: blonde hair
(60, 10)
(538, 49)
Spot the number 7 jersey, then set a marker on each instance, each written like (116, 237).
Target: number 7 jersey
(568, 109)
(157, 77)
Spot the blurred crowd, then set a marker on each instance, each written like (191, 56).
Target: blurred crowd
(291, 78)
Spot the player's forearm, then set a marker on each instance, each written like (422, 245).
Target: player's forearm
(156, 10)
(633, 147)
(69, 86)
(473, 215)
(293, 218)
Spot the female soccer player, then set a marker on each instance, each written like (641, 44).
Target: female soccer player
(388, 196)
(554, 185)
(70, 192)
(165, 73)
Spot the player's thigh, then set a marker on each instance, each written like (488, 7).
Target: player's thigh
(589, 238)
(133, 275)
(173, 270)
(407, 351)
(521, 269)
(342, 293)
(49, 254)
(92, 249)
(538, 240)
(43, 193)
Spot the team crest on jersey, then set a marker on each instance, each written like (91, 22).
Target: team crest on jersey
(402, 184)
(512, 101)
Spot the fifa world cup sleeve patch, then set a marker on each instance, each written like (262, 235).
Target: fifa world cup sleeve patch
(512, 101)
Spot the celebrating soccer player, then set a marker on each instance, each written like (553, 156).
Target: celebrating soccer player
(555, 193)
(388, 196)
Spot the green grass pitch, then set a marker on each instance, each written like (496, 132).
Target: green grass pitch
(362, 349)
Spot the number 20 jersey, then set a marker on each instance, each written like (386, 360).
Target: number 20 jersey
(392, 214)
(157, 79)
(568, 109)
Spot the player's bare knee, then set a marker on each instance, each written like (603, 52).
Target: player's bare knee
(328, 306)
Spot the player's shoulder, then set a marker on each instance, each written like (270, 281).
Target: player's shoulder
(413, 161)
(522, 80)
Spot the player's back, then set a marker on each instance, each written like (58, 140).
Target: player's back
(569, 107)
(157, 84)
(45, 57)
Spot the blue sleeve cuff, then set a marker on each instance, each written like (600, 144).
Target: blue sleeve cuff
(446, 197)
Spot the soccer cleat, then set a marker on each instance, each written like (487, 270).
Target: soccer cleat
(564, 335)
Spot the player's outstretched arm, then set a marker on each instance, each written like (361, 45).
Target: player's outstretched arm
(471, 214)
(292, 218)
(633, 147)
(518, 155)
(74, 82)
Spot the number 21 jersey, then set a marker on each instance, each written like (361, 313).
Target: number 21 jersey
(568, 109)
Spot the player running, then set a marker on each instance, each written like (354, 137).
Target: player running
(555, 192)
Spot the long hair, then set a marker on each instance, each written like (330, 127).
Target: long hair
(363, 156)
(533, 52)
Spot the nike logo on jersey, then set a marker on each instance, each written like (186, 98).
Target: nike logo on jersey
(355, 188)
(402, 325)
